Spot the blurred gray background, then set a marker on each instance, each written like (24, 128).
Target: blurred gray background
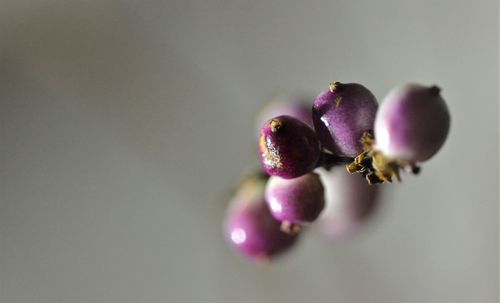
(124, 124)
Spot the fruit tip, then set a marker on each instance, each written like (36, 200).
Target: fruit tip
(434, 90)
(333, 85)
(275, 124)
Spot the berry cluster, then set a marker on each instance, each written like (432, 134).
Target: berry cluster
(301, 153)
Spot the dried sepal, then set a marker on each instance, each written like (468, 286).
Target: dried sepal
(375, 166)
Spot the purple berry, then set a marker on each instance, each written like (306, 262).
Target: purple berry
(412, 123)
(285, 106)
(341, 115)
(350, 203)
(249, 226)
(288, 147)
(297, 200)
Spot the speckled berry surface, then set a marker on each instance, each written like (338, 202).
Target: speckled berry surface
(412, 123)
(341, 115)
(297, 200)
(288, 147)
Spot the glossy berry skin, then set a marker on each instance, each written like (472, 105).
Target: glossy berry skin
(350, 203)
(412, 123)
(288, 147)
(297, 200)
(285, 106)
(250, 228)
(341, 115)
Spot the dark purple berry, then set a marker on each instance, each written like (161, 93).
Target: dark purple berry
(249, 226)
(297, 200)
(341, 115)
(350, 203)
(412, 123)
(288, 147)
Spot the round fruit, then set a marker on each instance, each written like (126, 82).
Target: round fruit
(288, 147)
(350, 203)
(297, 200)
(341, 115)
(249, 226)
(412, 123)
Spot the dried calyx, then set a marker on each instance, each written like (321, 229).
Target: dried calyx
(375, 166)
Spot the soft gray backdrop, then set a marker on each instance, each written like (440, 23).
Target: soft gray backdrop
(123, 125)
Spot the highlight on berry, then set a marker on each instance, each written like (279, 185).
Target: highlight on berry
(323, 163)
